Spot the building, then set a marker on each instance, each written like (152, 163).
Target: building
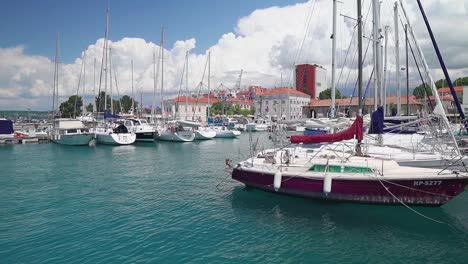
(349, 106)
(280, 103)
(243, 104)
(188, 108)
(311, 79)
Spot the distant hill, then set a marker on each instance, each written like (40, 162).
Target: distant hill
(14, 115)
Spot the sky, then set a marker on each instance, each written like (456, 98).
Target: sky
(265, 38)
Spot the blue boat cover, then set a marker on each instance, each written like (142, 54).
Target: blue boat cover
(6, 126)
(109, 115)
(377, 121)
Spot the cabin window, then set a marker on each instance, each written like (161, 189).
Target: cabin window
(71, 131)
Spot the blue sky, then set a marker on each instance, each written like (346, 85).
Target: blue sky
(35, 23)
(261, 37)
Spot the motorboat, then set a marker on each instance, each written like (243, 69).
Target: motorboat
(115, 133)
(70, 132)
(141, 128)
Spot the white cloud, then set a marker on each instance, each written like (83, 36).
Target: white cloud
(263, 44)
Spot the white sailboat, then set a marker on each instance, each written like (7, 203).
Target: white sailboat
(224, 132)
(114, 133)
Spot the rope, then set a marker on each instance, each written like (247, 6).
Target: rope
(411, 209)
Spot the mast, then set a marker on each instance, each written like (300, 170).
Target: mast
(209, 92)
(84, 84)
(407, 71)
(384, 96)
(153, 105)
(186, 85)
(110, 82)
(162, 72)
(94, 86)
(333, 88)
(397, 58)
(377, 54)
(133, 95)
(359, 17)
(106, 58)
(55, 92)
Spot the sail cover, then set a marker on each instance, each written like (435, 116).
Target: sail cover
(355, 130)
(6, 126)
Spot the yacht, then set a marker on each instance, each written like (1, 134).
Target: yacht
(174, 131)
(70, 132)
(141, 128)
(114, 133)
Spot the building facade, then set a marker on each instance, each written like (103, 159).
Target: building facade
(311, 79)
(281, 103)
(188, 108)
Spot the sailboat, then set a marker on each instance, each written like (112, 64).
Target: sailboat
(66, 131)
(113, 132)
(331, 173)
(173, 130)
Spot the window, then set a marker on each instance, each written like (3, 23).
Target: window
(199, 109)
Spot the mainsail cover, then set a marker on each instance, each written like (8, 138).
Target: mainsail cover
(355, 130)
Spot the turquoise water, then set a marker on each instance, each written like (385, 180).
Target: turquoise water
(172, 203)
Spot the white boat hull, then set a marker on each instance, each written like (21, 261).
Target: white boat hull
(177, 136)
(227, 134)
(73, 140)
(204, 134)
(116, 138)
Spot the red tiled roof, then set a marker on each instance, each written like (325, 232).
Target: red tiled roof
(442, 98)
(353, 101)
(282, 90)
(458, 89)
(237, 100)
(189, 99)
(243, 92)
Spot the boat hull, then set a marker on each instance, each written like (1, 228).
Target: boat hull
(145, 136)
(73, 140)
(116, 138)
(427, 192)
(227, 134)
(181, 136)
(204, 135)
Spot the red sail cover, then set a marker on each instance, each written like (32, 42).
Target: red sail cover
(355, 130)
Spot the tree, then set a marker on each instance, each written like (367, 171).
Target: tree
(89, 107)
(216, 108)
(126, 102)
(326, 94)
(100, 99)
(422, 91)
(67, 108)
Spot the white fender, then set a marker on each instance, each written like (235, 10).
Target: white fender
(327, 183)
(277, 180)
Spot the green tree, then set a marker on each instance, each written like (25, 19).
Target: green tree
(326, 94)
(422, 91)
(217, 108)
(100, 99)
(89, 108)
(67, 108)
(126, 102)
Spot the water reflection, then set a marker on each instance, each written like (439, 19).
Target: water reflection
(328, 214)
